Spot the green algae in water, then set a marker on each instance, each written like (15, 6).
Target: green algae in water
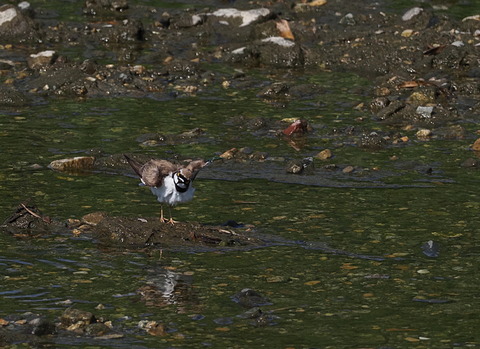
(319, 299)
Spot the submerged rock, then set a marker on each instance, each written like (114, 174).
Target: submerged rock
(139, 233)
(28, 220)
(9, 97)
(42, 327)
(249, 298)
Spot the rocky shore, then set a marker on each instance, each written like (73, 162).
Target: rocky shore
(423, 64)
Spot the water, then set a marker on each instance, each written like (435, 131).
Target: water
(400, 299)
(382, 292)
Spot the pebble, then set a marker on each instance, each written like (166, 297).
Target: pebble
(423, 271)
(347, 19)
(324, 154)
(348, 169)
(425, 112)
(94, 218)
(424, 133)
(41, 59)
(415, 11)
(407, 33)
(278, 40)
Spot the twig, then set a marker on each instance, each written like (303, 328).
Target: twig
(46, 220)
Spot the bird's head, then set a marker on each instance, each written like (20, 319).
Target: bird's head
(181, 178)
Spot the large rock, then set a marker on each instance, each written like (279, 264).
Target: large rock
(15, 25)
(79, 163)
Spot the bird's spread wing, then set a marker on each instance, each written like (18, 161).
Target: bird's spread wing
(192, 169)
(154, 171)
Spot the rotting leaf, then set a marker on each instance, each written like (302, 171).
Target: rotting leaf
(311, 283)
(412, 339)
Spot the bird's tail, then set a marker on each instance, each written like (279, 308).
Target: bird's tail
(135, 165)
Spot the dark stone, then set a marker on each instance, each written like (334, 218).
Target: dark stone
(303, 166)
(27, 219)
(390, 109)
(72, 316)
(97, 329)
(8, 338)
(42, 327)
(15, 25)
(275, 90)
(431, 249)
(11, 98)
(372, 141)
(249, 298)
(378, 104)
(471, 163)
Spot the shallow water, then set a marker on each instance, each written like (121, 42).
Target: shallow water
(400, 298)
(347, 271)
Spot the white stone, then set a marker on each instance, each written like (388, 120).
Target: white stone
(425, 112)
(239, 51)
(414, 11)
(196, 19)
(8, 15)
(279, 41)
(24, 5)
(247, 16)
(47, 53)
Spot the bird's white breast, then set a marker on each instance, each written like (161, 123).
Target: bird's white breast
(169, 195)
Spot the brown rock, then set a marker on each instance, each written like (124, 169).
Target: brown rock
(41, 59)
(76, 317)
(426, 133)
(79, 163)
(156, 329)
(348, 169)
(324, 154)
(229, 154)
(476, 145)
(94, 218)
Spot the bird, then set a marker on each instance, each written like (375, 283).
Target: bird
(171, 183)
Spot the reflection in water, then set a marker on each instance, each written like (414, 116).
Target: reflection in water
(165, 286)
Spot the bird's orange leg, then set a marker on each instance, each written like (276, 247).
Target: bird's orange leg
(171, 221)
